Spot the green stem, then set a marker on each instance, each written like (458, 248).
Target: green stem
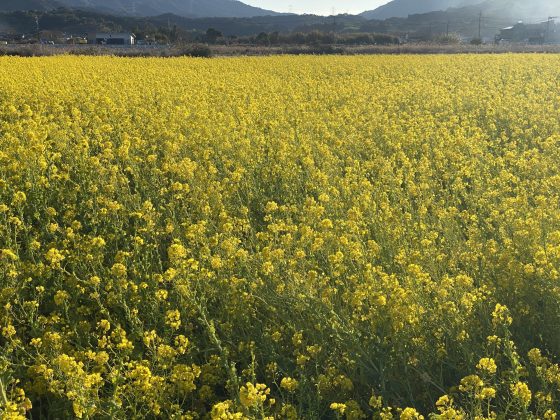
(3, 396)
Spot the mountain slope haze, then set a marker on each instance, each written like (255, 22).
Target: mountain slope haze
(186, 8)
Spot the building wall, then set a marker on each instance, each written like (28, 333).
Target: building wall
(111, 38)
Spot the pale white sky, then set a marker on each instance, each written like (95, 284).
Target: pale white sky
(319, 7)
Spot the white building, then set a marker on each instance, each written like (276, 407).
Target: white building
(111, 38)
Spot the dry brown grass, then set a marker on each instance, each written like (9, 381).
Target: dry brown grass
(199, 50)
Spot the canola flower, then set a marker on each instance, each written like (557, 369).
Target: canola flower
(283, 237)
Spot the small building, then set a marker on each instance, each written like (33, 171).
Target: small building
(112, 38)
(536, 33)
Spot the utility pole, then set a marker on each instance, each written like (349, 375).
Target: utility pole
(37, 27)
(480, 26)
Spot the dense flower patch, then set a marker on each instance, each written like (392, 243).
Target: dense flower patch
(304, 237)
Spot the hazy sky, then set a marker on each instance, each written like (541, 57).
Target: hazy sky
(320, 7)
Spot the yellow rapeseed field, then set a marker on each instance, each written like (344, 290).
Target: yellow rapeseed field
(285, 237)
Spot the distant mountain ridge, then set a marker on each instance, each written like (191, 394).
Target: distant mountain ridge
(533, 10)
(186, 8)
(526, 9)
(16, 5)
(404, 8)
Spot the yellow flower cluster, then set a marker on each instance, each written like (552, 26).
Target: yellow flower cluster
(289, 384)
(253, 395)
(487, 365)
(522, 393)
(280, 237)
